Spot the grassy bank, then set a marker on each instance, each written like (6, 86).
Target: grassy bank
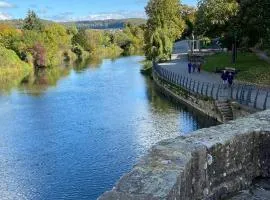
(146, 68)
(251, 68)
(12, 69)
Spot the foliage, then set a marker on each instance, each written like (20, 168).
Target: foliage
(163, 27)
(188, 14)
(253, 22)
(247, 20)
(214, 16)
(134, 39)
(46, 44)
(32, 22)
(12, 69)
(129, 40)
(10, 37)
(251, 68)
(38, 51)
(146, 68)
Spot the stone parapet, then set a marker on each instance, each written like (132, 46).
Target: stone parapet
(209, 164)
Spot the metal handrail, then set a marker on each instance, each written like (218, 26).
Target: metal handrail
(246, 94)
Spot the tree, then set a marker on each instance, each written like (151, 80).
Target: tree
(39, 54)
(214, 16)
(89, 39)
(9, 36)
(163, 27)
(188, 14)
(253, 22)
(32, 22)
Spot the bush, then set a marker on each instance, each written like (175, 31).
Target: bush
(12, 69)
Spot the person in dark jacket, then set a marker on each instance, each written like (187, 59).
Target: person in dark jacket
(224, 77)
(189, 67)
(199, 67)
(194, 67)
(230, 79)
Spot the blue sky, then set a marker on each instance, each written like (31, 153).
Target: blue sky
(68, 10)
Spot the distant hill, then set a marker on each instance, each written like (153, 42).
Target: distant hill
(97, 24)
(106, 24)
(18, 23)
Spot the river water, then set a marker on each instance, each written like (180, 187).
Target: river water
(71, 133)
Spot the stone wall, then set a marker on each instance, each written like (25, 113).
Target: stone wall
(208, 164)
(198, 102)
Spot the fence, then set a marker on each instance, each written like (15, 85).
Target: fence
(245, 94)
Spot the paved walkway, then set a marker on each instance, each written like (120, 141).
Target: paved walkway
(179, 65)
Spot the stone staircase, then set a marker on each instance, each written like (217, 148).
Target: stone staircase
(225, 109)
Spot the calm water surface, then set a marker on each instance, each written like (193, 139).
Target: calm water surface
(71, 133)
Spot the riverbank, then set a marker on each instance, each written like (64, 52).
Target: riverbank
(14, 71)
(48, 44)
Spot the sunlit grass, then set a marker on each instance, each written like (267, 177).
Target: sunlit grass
(251, 68)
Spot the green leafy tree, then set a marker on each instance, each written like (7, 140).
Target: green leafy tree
(32, 22)
(163, 27)
(188, 14)
(253, 22)
(90, 40)
(215, 16)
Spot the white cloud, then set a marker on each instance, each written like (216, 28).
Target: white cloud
(4, 4)
(4, 16)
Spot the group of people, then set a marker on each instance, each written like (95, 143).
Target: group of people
(227, 77)
(193, 66)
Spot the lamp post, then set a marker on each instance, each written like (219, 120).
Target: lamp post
(192, 48)
(234, 50)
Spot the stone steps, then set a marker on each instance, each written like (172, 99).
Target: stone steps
(225, 110)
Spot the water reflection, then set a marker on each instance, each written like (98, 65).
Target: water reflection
(187, 123)
(91, 62)
(71, 132)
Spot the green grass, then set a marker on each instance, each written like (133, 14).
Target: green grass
(251, 68)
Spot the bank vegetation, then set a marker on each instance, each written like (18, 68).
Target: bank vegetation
(41, 44)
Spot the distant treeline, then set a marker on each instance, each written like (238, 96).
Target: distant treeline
(95, 24)
(107, 24)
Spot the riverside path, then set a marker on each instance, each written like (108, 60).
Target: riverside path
(248, 94)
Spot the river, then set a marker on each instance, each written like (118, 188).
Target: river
(71, 133)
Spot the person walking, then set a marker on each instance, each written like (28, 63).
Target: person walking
(230, 79)
(199, 67)
(224, 77)
(194, 67)
(189, 67)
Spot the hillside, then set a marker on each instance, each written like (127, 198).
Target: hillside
(106, 24)
(97, 24)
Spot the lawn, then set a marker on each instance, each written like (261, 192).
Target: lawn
(251, 68)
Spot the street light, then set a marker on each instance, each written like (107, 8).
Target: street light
(234, 50)
(192, 43)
